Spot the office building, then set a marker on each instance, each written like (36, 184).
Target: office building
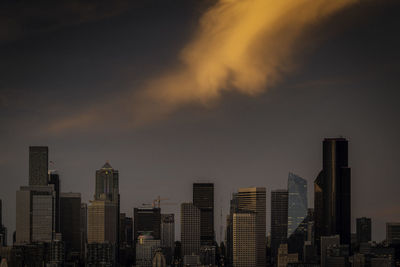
(363, 230)
(284, 257)
(125, 230)
(83, 228)
(70, 206)
(393, 233)
(167, 231)
(38, 165)
(100, 255)
(147, 220)
(35, 214)
(244, 230)
(229, 229)
(3, 229)
(190, 229)
(332, 192)
(146, 248)
(254, 199)
(297, 203)
(326, 243)
(203, 199)
(279, 220)
(102, 224)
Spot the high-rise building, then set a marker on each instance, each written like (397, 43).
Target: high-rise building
(279, 220)
(125, 230)
(254, 199)
(332, 192)
(393, 233)
(54, 179)
(35, 214)
(297, 203)
(284, 257)
(326, 243)
(203, 199)
(244, 239)
(102, 222)
(107, 189)
(38, 165)
(363, 230)
(83, 228)
(3, 229)
(229, 228)
(146, 247)
(167, 231)
(147, 220)
(190, 229)
(70, 206)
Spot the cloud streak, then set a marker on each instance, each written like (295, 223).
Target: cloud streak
(244, 46)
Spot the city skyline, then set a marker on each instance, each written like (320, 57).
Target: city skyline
(343, 83)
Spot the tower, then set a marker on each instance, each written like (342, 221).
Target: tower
(279, 220)
(190, 229)
(254, 199)
(332, 190)
(203, 199)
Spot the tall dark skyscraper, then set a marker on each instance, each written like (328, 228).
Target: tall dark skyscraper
(38, 165)
(70, 206)
(147, 220)
(203, 199)
(279, 220)
(332, 192)
(363, 230)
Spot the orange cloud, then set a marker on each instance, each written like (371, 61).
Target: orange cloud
(241, 45)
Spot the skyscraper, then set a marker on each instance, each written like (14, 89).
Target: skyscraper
(167, 230)
(279, 220)
(332, 192)
(190, 229)
(244, 239)
(70, 222)
(393, 233)
(84, 227)
(297, 203)
(254, 199)
(229, 228)
(107, 189)
(203, 199)
(38, 165)
(35, 214)
(147, 220)
(363, 230)
(102, 222)
(3, 229)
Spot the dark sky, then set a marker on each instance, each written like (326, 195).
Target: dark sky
(60, 59)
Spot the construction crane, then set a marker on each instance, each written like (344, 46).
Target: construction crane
(157, 203)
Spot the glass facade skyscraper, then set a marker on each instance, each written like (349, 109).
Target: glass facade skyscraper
(297, 204)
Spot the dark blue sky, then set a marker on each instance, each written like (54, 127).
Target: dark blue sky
(61, 59)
